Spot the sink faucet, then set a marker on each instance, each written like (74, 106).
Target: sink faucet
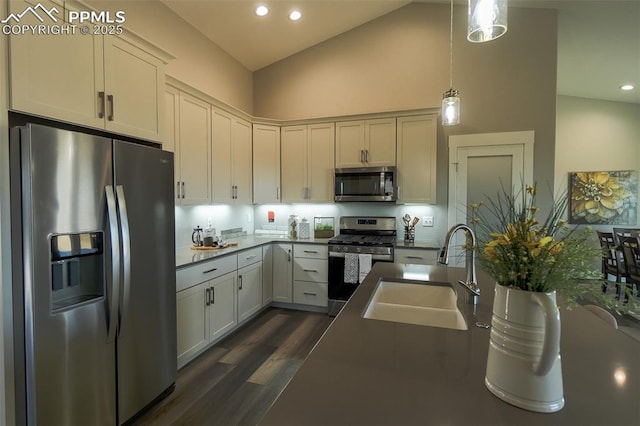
(471, 283)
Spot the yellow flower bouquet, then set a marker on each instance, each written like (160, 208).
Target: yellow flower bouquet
(519, 251)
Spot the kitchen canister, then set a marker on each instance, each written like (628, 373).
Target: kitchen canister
(293, 227)
(305, 229)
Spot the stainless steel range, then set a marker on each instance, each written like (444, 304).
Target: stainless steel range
(363, 241)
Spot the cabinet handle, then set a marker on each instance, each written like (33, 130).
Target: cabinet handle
(240, 281)
(289, 255)
(235, 192)
(277, 192)
(253, 256)
(183, 190)
(310, 270)
(101, 104)
(213, 295)
(415, 257)
(362, 155)
(311, 251)
(209, 270)
(111, 110)
(309, 294)
(207, 297)
(178, 190)
(366, 155)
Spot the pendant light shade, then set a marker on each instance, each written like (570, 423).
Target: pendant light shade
(487, 20)
(451, 98)
(450, 108)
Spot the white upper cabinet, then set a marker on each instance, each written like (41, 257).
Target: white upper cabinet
(134, 87)
(231, 148)
(193, 181)
(308, 163)
(366, 143)
(56, 76)
(266, 164)
(99, 81)
(417, 157)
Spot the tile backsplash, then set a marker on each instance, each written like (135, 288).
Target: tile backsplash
(251, 218)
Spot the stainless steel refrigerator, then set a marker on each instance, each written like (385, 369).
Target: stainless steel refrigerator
(94, 276)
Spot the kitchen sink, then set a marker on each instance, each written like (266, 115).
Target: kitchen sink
(431, 303)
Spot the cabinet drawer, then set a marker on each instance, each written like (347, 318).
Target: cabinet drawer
(314, 270)
(311, 251)
(416, 257)
(247, 257)
(308, 293)
(192, 275)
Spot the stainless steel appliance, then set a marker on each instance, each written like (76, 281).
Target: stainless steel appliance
(366, 184)
(361, 235)
(94, 276)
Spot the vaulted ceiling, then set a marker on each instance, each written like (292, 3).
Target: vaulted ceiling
(598, 41)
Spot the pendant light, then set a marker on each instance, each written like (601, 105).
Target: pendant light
(451, 98)
(487, 20)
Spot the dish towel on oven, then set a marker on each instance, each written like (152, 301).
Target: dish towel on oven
(365, 261)
(350, 268)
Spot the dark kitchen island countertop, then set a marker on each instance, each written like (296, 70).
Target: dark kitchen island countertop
(371, 372)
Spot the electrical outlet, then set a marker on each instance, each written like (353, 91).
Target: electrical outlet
(427, 221)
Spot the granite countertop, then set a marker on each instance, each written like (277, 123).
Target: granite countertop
(418, 244)
(185, 256)
(367, 371)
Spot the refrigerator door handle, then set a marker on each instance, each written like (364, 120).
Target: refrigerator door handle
(126, 252)
(114, 297)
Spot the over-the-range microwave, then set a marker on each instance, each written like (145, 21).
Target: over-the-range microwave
(365, 184)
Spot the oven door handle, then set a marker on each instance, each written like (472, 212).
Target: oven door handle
(377, 257)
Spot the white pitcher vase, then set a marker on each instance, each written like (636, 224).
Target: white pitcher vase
(523, 365)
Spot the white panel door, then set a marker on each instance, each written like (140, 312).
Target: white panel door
(480, 165)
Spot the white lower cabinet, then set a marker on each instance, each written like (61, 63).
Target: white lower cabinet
(310, 274)
(267, 274)
(415, 256)
(249, 290)
(222, 306)
(282, 273)
(204, 313)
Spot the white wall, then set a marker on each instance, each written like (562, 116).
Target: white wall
(594, 135)
(198, 61)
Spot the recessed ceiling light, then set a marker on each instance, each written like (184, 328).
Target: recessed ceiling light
(262, 10)
(627, 87)
(295, 15)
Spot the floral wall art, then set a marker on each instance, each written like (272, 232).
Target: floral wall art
(603, 198)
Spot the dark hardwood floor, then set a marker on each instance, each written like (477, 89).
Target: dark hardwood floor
(236, 381)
